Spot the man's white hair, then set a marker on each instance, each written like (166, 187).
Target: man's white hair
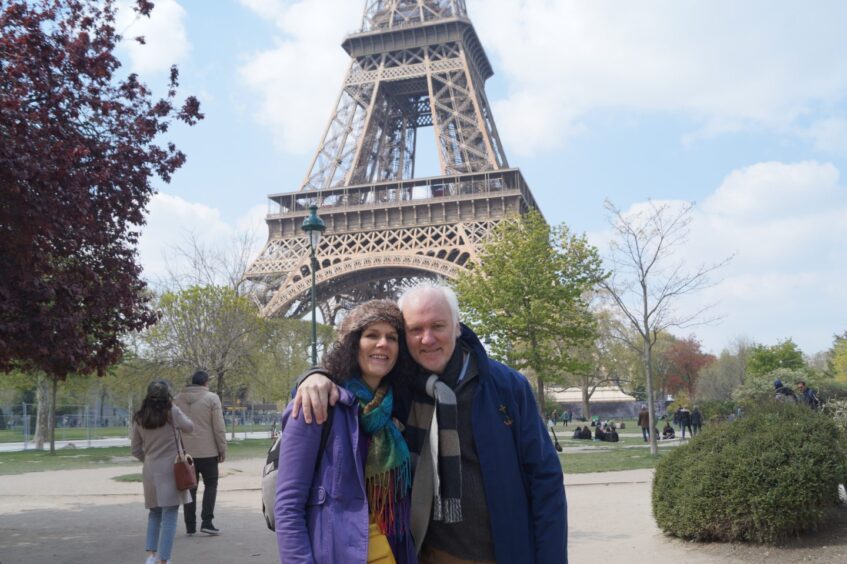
(424, 288)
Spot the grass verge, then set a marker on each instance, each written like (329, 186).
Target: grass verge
(128, 478)
(609, 460)
(69, 459)
(76, 458)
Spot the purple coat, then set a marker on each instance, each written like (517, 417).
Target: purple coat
(322, 517)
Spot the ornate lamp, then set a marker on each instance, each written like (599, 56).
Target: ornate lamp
(314, 228)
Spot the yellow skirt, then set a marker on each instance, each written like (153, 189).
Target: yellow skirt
(379, 551)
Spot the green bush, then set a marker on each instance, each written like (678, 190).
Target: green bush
(764, 477)
(829, 390)
(716, 410)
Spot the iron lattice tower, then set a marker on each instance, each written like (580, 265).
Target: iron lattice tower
(414, 64)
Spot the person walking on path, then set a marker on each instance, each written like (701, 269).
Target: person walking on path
(488, 484)
(644, 422)
(696, 421)
(207, 445)
(366, 470)
(685, 421)
(153, 442)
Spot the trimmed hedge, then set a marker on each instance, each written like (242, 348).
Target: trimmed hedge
(762, 478)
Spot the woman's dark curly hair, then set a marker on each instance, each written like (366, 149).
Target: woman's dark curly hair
(342, 358)
(156, 407)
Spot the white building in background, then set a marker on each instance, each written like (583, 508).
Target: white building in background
(606, 401)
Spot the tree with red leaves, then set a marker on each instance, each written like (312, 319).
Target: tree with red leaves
(685, 359)
(78, 154)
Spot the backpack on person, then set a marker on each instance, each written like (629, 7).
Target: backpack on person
(271, 468)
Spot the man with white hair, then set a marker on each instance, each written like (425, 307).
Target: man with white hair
(488, 484)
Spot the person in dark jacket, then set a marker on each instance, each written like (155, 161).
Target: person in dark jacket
(367, 477)
(783, 393)
(696, 421)
(586, 433)
(807, 395)
(668, 432)
(506, 479)
(684, 417)
(644, 422)
(599, 434)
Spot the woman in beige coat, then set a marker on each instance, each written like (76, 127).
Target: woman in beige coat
(154, 444)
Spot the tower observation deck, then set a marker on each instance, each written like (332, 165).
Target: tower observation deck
(414, 64)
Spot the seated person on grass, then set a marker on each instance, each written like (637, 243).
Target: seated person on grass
(668, 432)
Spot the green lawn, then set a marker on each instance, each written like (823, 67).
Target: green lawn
(39, 461)
(82, 434)
(68, 434)
(609, 460)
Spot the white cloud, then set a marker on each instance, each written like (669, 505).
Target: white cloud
(785, 224)
(173, 221)
(828, 135)
(298, 80)
(724, 64)
(166, 39)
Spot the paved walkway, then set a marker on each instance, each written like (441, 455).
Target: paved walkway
(82, 516)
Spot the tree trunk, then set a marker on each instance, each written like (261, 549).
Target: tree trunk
(541, 397)
(53, 416)
(648, 365)
(586, 407)
(42, 421)
(651, 403)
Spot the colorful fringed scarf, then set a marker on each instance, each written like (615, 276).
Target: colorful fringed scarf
(388, 477)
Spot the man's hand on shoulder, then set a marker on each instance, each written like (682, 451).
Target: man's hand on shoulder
(313, 396)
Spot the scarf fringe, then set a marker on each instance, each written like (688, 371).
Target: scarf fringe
(388, 498)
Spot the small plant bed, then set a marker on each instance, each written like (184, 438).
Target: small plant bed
(763, 478)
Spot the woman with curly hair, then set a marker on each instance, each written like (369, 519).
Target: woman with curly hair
(350, 503)
(153, 443)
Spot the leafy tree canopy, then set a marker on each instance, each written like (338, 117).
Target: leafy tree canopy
(837, 361)
(785, 354)
(527, 295)
(77, 158)
(205, 327)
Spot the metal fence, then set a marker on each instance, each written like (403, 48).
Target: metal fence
(82, 424)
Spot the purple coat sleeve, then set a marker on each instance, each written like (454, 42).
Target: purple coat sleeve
(298, 454)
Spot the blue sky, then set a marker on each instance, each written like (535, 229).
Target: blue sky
(739, 106)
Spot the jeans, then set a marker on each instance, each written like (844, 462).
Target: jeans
(645, 433)
(161, 529)
(690, 431)
(208, 468)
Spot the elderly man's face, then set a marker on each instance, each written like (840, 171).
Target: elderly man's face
(431, 332)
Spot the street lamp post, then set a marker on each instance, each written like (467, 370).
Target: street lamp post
(314, 228)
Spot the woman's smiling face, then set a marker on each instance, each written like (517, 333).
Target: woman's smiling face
(378, 350)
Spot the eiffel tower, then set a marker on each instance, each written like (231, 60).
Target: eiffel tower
(414, 64)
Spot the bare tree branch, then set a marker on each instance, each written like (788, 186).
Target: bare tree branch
(648, 279)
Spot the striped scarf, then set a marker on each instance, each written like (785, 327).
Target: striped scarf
(441, 432)
(388, 477)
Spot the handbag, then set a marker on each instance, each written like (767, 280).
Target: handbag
(186, 476)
